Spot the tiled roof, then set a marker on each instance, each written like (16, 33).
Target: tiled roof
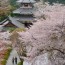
(26, 1)
(23, 11)
(18, 21)
(15, 22)
(3, 21)
(23, 19)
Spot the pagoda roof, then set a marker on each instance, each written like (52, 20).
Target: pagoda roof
(3, 21)
(24, 19)
(23, 11)
(15, 22)
(26, 1)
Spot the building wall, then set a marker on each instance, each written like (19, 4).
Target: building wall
(10, 25)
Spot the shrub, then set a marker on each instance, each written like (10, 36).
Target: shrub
(6, 56)
(18, 30)
(20, 63)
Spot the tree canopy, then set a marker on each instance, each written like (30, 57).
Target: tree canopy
(55, 1)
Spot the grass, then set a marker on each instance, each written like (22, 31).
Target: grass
(6, 55)
(20, 63)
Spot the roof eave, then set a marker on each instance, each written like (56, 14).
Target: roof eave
(26, 2)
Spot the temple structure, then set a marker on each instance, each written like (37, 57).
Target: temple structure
(21, 17)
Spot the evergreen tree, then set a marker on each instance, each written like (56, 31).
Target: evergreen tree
(13, 2)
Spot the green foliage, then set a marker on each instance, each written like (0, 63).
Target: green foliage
(19, 30)
(15, 15)
(3, 62)
(10, 28)
(6, 57)
(6, 10)
(2, 18)
(7, 54)
(20, 63)
(13, 2)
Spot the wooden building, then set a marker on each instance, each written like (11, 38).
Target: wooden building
(21, 17)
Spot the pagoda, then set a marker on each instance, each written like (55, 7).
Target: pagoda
(21, 17)
(24, 14)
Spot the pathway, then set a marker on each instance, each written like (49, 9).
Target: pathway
(12, 54)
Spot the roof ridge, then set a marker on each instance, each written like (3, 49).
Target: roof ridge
(30, 1)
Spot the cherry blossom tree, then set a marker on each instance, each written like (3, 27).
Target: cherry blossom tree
(45, 35)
